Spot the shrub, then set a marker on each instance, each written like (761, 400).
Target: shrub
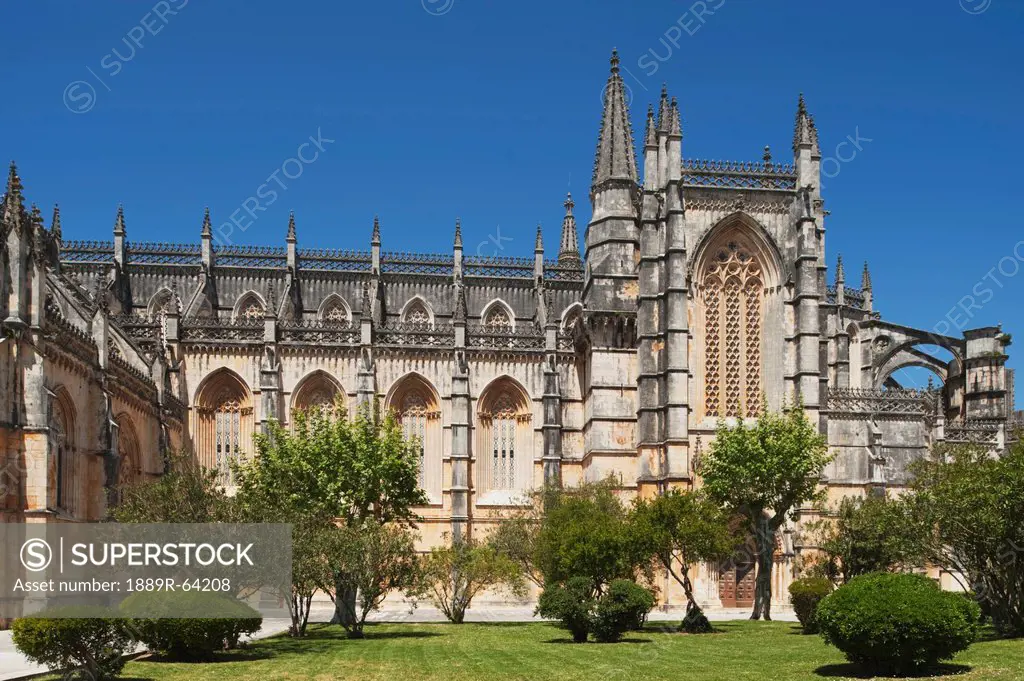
(622, 608)
(805, 595)
(897, 623)
(571, 603)
(97, 644)
(189, 638)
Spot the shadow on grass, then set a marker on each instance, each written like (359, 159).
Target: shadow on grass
(855, 671)
(559, 641)
(247, 655)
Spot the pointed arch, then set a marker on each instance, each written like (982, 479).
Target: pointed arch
(497, 315)
(416, 404)
(417, 311)
(223, 422)
(736, 269)
(505, 439)
(160, 302)
(129, 470)
(571, 316)
(249, 306)
(67, 465)
(334, 309)
(316, 389)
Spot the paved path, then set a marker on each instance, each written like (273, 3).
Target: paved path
(13, 664)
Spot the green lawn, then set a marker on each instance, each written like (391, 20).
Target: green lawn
(536, 652)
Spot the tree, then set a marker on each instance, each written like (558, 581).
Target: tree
(973, 501)
(452, 575)
(186, 493)
(764, 473)
(586, 532)
(375, 560)
(871, 534)
(354, 472)
(680, 529)
(515, 535)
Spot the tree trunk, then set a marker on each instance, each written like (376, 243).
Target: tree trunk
(345, 607)
(764, 540)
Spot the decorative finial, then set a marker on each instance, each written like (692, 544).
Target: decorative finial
(569, 249)
(767, 155)
(271, 310)
(55, 228)
(866, 278)
(663, 108)
(615, 60)
(675, 124)
(14, 183)
(207, 227)
(460, 312)
(375, 239)
(291, 227)
(840, 272)
(651, 136)
(539, 243)
(569, 204)
(119, 227)
(458, 232)
(367, 303)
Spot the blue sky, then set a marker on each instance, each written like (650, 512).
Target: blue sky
(489, 110)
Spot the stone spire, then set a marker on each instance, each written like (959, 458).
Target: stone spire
(375, 246)
(569, 249)
(55, 229)
(13, 200)
(651, 135)
(865, 281)
(538, 243)
(805, 133)
(840, 272)
(291, 237)
(120, 238)
(538, 255)
(615, 158)
(664, 112)
(865, 286)
(207, 227)
(458, 233)
(675, 127)
(375, 238)
(457, 251)
(119, 226)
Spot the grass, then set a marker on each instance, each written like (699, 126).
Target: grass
(542, 652)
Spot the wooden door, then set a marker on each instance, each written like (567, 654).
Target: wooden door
(736, 585)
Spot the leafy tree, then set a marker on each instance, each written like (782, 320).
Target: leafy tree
(452, 575)
(186, 493)
(871, 534)
(572, 603)
(586, 532)
(764, 473)
(375, 560)
(680, 529)
(974, 501)
(515, 536)
(358, 472)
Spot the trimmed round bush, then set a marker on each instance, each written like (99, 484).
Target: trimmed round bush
(63, 638)
(897, 623)
(189, 638)
(623, 607)
(571, 604)
(805, 594)
(695, 621)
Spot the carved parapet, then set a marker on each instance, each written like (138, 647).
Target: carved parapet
(894, 403)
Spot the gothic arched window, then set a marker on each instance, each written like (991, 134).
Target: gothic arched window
(317, 391)
(249, 308)
(416, 312)
(506, 458)
(128, 450)
(498, 317)
(415, 405)
(225, 423)
(733, 301)
(63, 442)
(335, 310)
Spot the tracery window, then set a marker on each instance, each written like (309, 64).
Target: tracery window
(504, 438)
(317, 391)
(249, 308)
(66, 467)
(252, 312)
(225, 427)
(417, 313)
(415, 405)
(503, 444)
(733, 290)
(128, 450)
(336, 314)
(498, 319)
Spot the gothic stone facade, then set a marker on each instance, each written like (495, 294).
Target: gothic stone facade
(702, 295)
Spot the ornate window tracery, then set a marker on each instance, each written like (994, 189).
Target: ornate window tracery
(733, 296)
(498, 319)
(504, 438)
(128, 450)
(225, 424)
(63, 442)
(414, 403)
(417, 314)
